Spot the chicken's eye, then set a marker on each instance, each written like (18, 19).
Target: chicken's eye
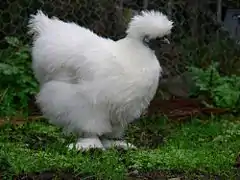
(146, 40)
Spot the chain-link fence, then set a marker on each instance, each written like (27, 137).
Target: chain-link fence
(195, 28)
(197, 39)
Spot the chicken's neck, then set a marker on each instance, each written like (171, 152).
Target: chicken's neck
(136, 43)
(134, 51)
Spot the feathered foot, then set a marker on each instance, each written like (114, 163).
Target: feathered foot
(84, 144)
(118, 144)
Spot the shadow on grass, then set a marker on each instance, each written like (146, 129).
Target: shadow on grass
(154, 175)
(55, 175)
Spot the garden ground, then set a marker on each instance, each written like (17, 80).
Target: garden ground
(200, 148)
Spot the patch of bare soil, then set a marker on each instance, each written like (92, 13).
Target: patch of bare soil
(181, 109)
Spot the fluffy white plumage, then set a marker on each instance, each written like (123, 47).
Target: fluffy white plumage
(91, 85)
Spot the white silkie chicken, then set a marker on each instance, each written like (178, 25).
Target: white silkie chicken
(95, 86)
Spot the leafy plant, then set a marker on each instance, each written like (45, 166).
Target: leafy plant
(17, 81)
(223, 90)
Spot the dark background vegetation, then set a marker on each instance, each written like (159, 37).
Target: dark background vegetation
(197, 41)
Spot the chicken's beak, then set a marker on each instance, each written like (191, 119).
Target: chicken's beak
(166, 40)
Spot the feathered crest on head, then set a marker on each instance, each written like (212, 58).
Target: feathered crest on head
(149, 23)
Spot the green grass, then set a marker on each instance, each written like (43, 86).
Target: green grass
(199, 146)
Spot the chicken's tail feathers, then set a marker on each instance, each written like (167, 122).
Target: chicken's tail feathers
(38, 23)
